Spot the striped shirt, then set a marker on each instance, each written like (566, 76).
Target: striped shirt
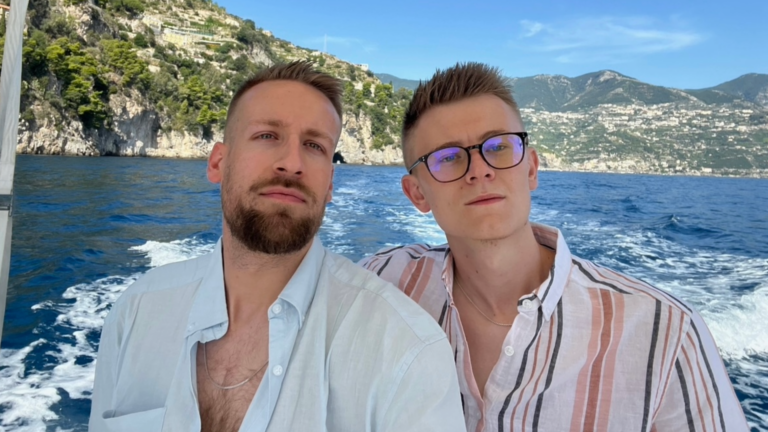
(590, 350)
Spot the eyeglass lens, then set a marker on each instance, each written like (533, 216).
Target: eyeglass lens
(500, 152)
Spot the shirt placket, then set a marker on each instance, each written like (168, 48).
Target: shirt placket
(280, 345)
(471, 398)
(501, 384)
(503, 389)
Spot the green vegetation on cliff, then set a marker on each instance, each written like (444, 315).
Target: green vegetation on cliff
(183, 59)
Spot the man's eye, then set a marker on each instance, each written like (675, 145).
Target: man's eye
(316, 146)
(266, 135)
(498, 148)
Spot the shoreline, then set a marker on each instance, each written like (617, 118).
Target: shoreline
(757, 176)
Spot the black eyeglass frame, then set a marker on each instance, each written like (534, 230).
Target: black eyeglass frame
(522, 135)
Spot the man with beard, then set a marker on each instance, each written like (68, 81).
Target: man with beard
(270, 331)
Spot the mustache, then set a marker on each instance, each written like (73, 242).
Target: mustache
(286, 183)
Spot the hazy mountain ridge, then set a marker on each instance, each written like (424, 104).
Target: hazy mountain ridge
(396, 82)
(750, 87)
(561, 93)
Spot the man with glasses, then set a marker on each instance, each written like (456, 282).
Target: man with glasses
(543, 340)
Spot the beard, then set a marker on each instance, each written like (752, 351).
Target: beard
(277, 232)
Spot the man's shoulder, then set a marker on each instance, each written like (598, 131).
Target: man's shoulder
(412, 252)
(590, 275)
(167, 277)
(392, 263)
(379, 300)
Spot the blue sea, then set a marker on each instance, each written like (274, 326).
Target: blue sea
(85, 229)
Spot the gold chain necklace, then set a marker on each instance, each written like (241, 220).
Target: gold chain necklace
(458, 285)
(222, 387)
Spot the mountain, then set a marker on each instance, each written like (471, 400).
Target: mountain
(561, 93)
(750, 87)
(398, 83)
(154, 78)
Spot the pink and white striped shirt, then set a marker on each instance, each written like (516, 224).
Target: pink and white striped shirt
(591, 350)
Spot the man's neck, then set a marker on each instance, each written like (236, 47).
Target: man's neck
(498, 272)
(254, 280)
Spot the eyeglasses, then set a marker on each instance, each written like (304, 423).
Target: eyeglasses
(449, 164)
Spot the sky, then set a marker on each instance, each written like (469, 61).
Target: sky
(673, 43)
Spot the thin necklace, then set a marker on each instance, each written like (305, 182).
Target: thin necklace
(458, 285)
(205, 358)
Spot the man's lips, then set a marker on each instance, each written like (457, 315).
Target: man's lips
(486, 199)
(284, 194)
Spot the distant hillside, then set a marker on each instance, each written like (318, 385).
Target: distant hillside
(398, 83)
(751, 87)
(561, 93)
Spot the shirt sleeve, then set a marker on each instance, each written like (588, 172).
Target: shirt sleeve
(427, 398)
(106, 372)
(699, 395)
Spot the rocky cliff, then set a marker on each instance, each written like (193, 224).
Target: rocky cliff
(145, 78)
(137, 132)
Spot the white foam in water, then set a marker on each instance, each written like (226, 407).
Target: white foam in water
(740, 329)
(24, 400)
(161, 253)
(26, 397)
(422, 226)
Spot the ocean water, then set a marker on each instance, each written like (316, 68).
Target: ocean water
(86, 228)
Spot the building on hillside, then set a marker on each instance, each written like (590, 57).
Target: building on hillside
(188, 37)
(153, 22)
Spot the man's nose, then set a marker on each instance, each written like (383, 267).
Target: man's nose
(478, 168)
(290, 161)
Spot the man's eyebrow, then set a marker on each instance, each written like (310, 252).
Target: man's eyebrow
(316, 133)
(311, 132)
(484, 137)
(269, 122)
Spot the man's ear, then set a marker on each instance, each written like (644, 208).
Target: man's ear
(412, 190)
(533, 169)
(215, 169)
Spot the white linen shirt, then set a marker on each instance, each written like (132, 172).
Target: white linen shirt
(347, 352)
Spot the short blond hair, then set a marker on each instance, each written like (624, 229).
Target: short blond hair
(299, 71)
(461, 81)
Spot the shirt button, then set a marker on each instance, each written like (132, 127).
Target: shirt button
(527, 305)
(276, 309)
(509, 351)
(277, 370)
